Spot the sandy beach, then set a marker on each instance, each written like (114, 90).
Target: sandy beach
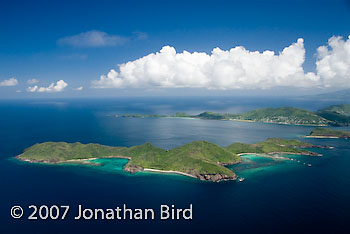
(171, 172)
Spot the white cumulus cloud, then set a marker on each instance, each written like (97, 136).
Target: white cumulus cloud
(52, 88)
(92, 38)
(32, 81)
(9, 82)
(221, 69)
(333, 62)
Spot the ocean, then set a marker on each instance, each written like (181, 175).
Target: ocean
(276, 196)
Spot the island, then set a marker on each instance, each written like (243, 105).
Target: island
(328, 133)
(198, 159)
(281, 115)
(284, 115)
(339, 115)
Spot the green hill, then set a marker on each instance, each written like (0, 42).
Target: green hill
(284, 115)
(327, 132)
(199, 159)
(272, 145)
(51, 152)
(210, 115)
(338, 114)
(182, 114)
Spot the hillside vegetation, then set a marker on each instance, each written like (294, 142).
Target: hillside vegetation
(286, 115)
(327, 132)
(339, 115)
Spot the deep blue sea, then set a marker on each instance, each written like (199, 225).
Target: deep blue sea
(276, 197)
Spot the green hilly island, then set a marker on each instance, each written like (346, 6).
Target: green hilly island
(199, 159)
(329, 133)
(338, 115)
(284, 115)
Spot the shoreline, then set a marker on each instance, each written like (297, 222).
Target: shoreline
(78, 160)
(169, 172)
(278, 154)
(282, 123)
(240, 120)
(86, 162)
(257, 121)
(325, 137)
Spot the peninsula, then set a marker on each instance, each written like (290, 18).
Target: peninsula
(281, 115)
(198, 159)
(328, 133)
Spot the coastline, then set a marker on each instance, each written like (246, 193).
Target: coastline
(277, 155)
(78, 160)
(169, 172)
(282, 123)
(255, 121)
(326, 137)
(204, 177)
(200, 177)
(238, 120)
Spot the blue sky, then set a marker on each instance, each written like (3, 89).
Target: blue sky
(44, 40)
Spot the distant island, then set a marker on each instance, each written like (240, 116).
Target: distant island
(338, 114)
(199, 159)
(328, 133)
(331, 116)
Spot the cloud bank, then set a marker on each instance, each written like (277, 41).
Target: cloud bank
(92, 38)
(9, 82)
(237, 68)
(52, 88)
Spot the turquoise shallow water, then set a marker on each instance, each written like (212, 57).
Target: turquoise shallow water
(110, 165)
(250, 166)
(276, 197)
(254, 165)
